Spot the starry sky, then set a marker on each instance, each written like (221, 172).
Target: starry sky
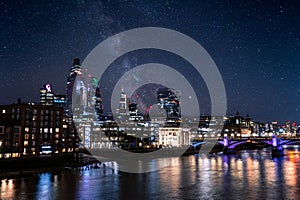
(255, 45)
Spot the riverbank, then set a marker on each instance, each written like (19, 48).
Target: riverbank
(22, 167)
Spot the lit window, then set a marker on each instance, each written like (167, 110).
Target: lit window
(26, 136)
(3, 111)
(56, 130)
(26, 129)
(25, 143)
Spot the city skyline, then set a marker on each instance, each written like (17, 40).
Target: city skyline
(254, 44)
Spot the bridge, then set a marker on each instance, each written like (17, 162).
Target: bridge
(277, 143)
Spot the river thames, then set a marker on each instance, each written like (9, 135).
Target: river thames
(247, 175)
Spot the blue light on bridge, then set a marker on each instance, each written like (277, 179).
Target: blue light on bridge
(274, 141)
(225, 142)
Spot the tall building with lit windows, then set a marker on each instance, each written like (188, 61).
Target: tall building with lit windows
(75, 85)
(169, 101)
(84, 104)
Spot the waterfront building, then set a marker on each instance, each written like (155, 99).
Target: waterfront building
(174, 136)
(33, 130)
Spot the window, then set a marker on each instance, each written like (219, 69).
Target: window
(3, 111)
(26, 136)
(26, 129)
(56, 130)
(17, 129)
(25, 143)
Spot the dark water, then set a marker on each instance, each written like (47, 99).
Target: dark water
(249, 175)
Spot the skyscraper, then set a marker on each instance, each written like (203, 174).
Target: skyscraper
(122, 111)
(169, 101)
(74, 72)
(84, 104)
(96, 100)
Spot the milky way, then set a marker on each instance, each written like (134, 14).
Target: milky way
(255, 45)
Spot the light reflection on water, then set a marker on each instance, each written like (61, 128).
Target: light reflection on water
(250, 174)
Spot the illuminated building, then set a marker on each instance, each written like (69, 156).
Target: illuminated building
(84, 105)
(174, 136)
(98, 103)
(72, 85)
(169, 101)
(133, 112)
(46, 95)
(48, 98)
(32, 130)
(122, 112)
(60, 100)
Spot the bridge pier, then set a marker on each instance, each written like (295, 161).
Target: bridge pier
(277, 151)
(226, 149)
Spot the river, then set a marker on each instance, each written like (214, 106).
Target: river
(248, 175)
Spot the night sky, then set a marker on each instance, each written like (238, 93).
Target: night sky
(255, 45)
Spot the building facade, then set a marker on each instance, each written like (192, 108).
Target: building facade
(34, 130)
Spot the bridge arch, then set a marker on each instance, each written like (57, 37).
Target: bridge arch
(284, 142)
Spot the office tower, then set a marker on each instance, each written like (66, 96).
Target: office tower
(170, 102)
(46, 95)
(133, 112)
(122, 111)
(75, 85)
(60, 100)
